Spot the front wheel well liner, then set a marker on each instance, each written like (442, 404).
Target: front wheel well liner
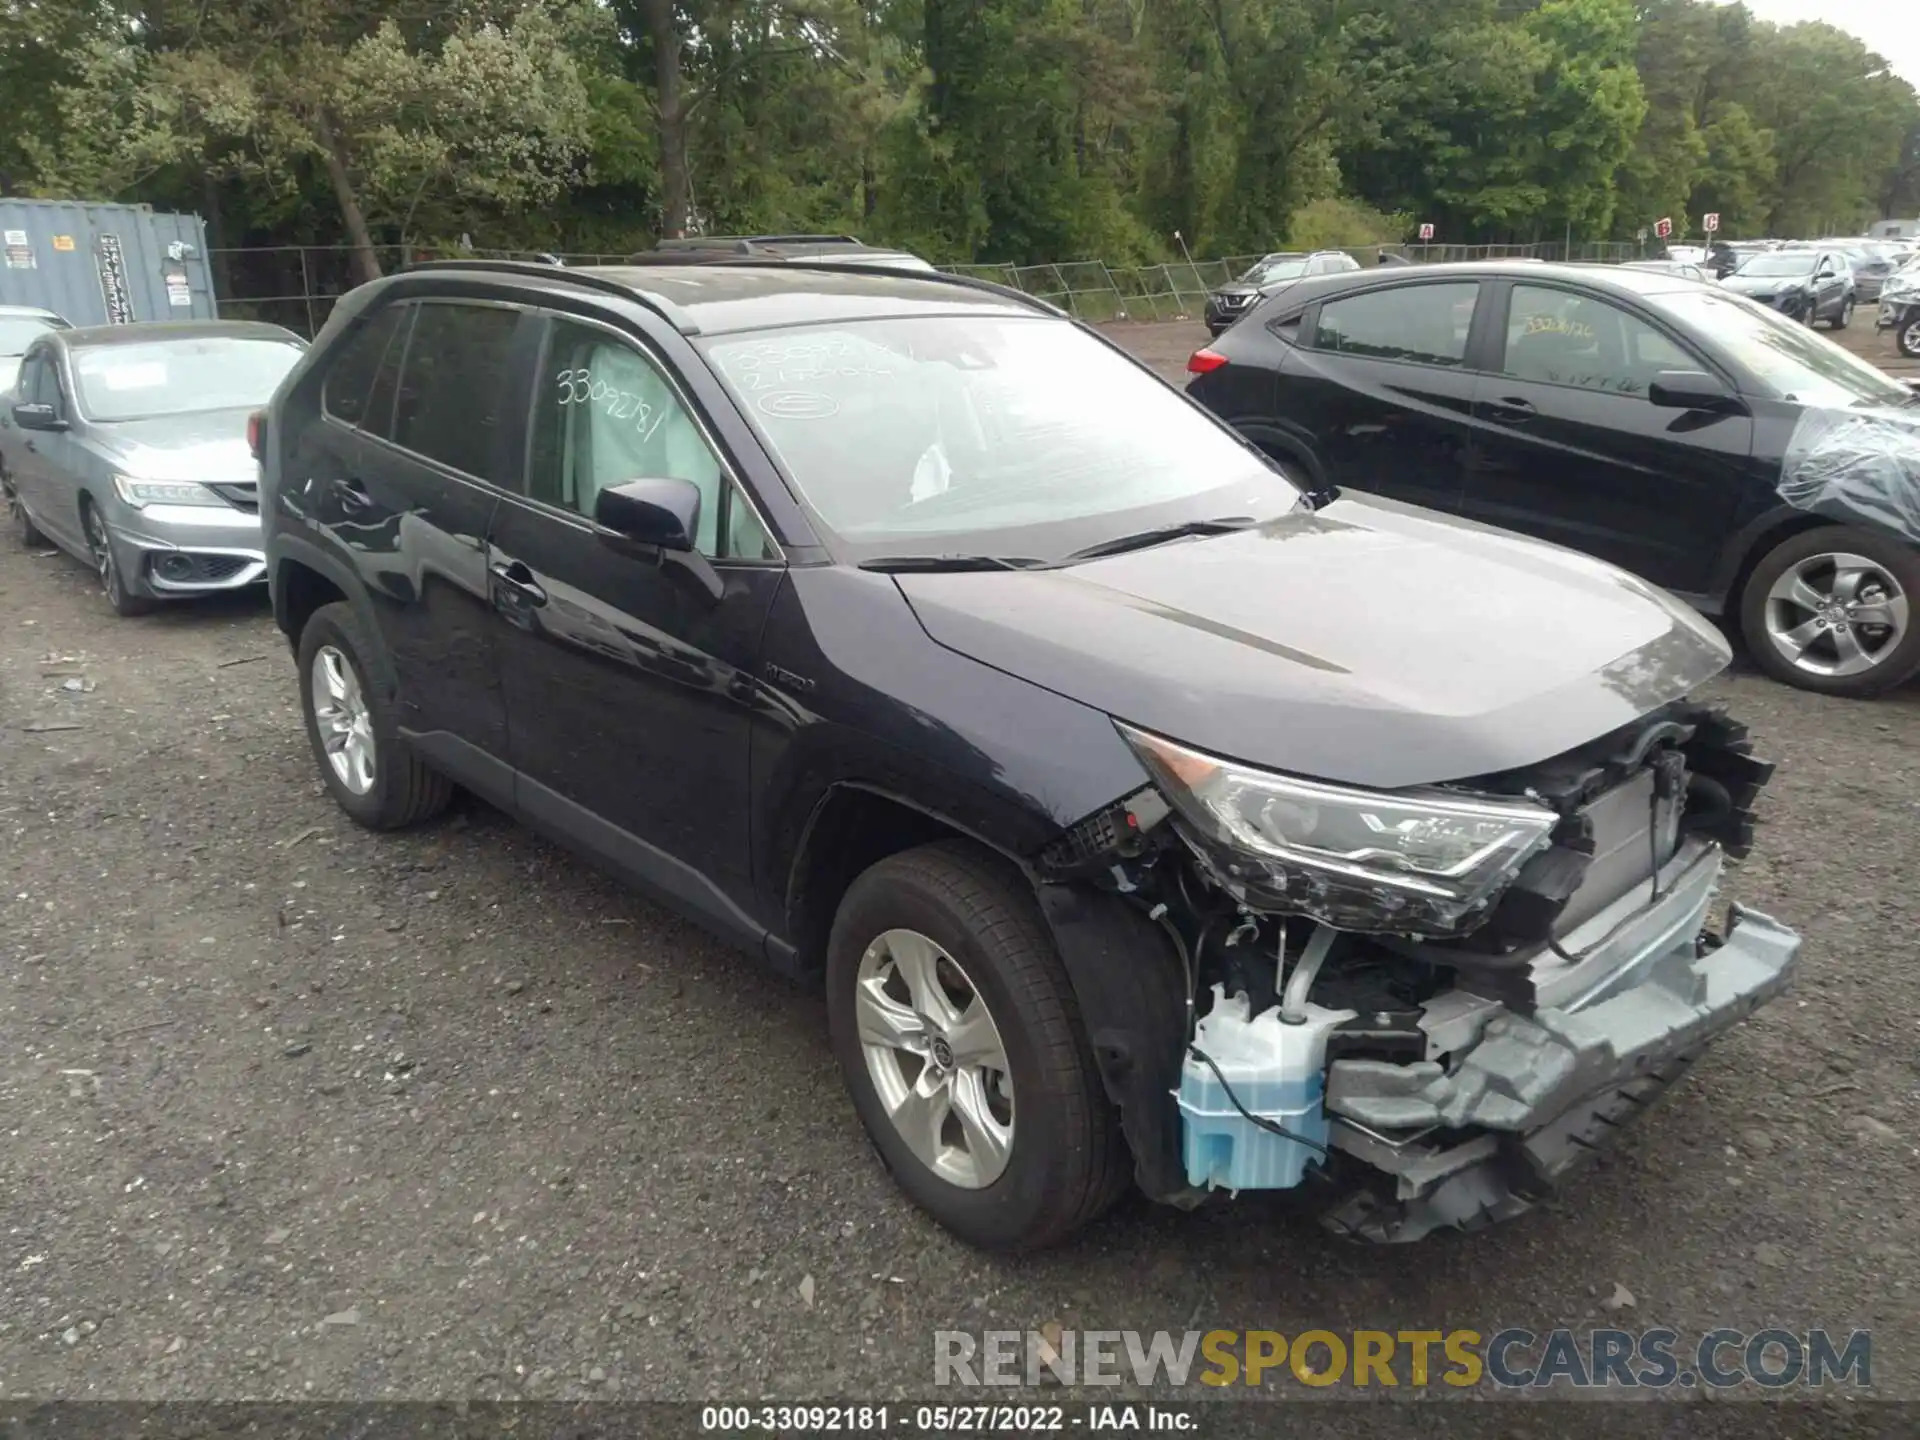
(851, 829)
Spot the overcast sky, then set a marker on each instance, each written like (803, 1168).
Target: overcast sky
(1891, 27)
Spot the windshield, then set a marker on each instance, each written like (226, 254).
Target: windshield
(1267, 271)
(1796, 363)
(17, 332)
(1797, 263)
(179, 376)
(1018, 436)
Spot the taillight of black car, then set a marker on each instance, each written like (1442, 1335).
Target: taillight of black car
(1205, 361)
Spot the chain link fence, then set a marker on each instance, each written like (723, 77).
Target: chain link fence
(296, 285)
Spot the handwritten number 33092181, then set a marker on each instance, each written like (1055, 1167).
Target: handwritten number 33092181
(578, 387)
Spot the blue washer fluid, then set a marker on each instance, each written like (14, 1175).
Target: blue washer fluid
(1278, 1071)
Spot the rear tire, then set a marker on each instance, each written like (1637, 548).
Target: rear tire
(1065, 1160)
(1825, 561)
(23, 527)
(395, 788)
(1845, 317)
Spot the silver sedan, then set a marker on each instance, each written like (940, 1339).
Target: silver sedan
(126, 446)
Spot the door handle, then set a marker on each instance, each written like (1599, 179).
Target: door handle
(1512, 411)
(516, 578)
(351, 494)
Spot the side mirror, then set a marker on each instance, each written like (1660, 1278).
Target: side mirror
(1691, 390)
(37, 417)
(662, 512)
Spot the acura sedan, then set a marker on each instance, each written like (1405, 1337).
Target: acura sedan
(126, 446)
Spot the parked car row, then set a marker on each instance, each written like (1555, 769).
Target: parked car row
(1155, 812)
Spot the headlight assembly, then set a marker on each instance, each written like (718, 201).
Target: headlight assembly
(142, 493)
(1411, 862)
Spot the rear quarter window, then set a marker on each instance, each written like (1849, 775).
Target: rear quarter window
(1423, 324)
(347, 392)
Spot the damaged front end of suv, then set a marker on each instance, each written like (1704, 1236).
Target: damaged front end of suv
(1432, 1004)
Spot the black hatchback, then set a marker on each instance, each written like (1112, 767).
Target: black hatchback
(1137, 812)
(1684, 433)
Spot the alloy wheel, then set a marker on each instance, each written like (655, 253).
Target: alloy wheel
(104, 564)
(345, 723)
(1836, 615)
(1907, 338)
(935, 1058)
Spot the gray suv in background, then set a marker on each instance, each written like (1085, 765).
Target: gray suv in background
(1269, 276)
(126, 446)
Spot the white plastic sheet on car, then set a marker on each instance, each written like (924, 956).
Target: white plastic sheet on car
(1858, 467)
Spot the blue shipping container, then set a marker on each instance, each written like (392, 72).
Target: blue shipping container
(104, 264)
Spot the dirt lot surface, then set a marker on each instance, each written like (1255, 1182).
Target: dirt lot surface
(293, 1110)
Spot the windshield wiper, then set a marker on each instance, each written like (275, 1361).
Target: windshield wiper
(947, 564)
(1142, 539)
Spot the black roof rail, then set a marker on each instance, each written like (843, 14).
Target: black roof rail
(854, 265)
(749, 244)
(536, 269)
(683, 322)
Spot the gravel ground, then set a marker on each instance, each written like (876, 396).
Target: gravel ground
(292, 1110)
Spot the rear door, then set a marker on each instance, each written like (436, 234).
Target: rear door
(23, 452)
(1571, 450)
(51, 462)
(1381, 384)
(411, 499)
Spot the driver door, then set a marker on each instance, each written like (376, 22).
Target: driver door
(38, 461)
(628, 671)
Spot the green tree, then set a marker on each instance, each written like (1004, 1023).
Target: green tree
(394, 107)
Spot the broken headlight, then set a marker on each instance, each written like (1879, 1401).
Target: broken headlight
(1408, 862)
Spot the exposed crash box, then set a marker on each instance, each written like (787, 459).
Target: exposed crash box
(104, 264)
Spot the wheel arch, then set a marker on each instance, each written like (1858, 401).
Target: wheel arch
(301, 579)
(853, 827)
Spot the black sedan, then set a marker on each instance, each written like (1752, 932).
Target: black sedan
(1713, 447)
(1810, 286)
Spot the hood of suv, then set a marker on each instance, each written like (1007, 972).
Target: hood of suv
(1369, 642)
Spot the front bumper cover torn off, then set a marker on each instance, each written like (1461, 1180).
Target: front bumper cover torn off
(1517, 1103)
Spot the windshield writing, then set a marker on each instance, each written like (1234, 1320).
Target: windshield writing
(905, 434)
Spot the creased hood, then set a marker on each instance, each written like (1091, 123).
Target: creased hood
(1369, 642)
(207, 447)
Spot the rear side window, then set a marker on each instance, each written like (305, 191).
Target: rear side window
(349, 383)
(449, 406)
(1425, 324)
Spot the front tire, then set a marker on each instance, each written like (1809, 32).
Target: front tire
(1845, 317)
(24, 529)
(960, 1039)
(1836, 611)
(367, 767)
(1906, 339)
